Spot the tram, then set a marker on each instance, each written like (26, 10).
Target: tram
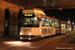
(69, 27)
(35, 24)
(63, 27)
(57, 27)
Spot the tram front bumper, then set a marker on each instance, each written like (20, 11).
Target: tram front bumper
(29, 37)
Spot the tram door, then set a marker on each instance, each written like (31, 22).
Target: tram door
(6, 24)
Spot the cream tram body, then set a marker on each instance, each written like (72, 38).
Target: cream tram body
(43, 25)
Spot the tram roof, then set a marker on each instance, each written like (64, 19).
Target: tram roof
(34, 10)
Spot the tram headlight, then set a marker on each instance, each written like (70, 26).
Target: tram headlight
(29, 38)
(20, 37)
(21, 33)
(29, 33)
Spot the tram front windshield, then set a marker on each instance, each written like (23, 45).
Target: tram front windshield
(30, 22)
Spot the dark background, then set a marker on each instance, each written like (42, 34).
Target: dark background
(63, 14)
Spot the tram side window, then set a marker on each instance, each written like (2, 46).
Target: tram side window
(25, 21)
(68, 25)
(56, 24)
(51, 23)
(43, 21)
(47, 22)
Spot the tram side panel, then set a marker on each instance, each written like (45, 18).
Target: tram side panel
(57, 27)
(27, 33)
(69, 27)
(57, 30)
(47, 27)
(36, 32)
(47, 31)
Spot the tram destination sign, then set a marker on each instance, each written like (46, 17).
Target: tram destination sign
(28, 15)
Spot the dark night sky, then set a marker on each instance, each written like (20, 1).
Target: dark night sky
(61, 14)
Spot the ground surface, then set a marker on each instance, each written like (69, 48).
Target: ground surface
(59, 42)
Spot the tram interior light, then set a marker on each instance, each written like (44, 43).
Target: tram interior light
(25, 23)
(47, 19)
(43, 19)
(68, 21)
(53, 4)
(62, 25)
(73, 23)
(67, 25)
(55, 23)
(35, 18)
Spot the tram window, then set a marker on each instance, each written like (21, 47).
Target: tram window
(30, 22)
(27, 21)
(63, 26)
(34, 21)
(51, 23)
(56, 24)
(68, 25)
(47, 22)
(43, 21)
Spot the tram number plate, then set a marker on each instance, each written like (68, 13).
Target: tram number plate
(25, 32)
(25, 38)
